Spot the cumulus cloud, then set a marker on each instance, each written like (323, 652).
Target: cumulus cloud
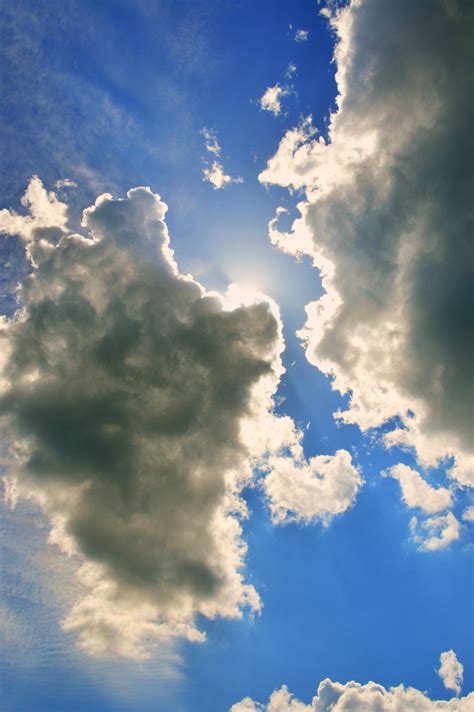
(451, 671)
(215, 173)
(301, 35)
(336, 697)
(386, 218)
(317, 489)
(435, 533)
(271, 99)
(137, 406)
(416, 492)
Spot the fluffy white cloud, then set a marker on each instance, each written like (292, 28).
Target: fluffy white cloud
(45, 211)
(451, 671)
(271, 99)
(416, 492)
(468, 514)
(318, 489)
(215, 173)
(301, 35)
(385, 217)
(435, 532)
(137, 406)
(335, 697)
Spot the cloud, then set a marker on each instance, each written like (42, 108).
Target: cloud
(291, 70)
(468, 514)
(271, 99)
(318, 489)
(336, 697)
(435, 533)
(211, 142)
(45, 211)
(418, 493)
(215, 173)
(451, 671)
(137, 406)
(301, 35)
(65, 183)
(385, 216)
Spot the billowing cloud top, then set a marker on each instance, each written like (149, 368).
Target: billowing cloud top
(387, 218)
(354, 697)
(137, 406)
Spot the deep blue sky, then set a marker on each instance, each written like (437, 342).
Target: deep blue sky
(114, 94)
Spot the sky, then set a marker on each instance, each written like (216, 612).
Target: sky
(236, 356)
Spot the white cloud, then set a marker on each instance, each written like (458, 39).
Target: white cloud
(45, 211)
(215, 173)
(418, 493)
(318, 489)
(435, 533)
(451, 671)
(385, 217)
(336, 697)
(136, 407)
(291, 70)
(301, 35)
(271, 99)
(468, 514)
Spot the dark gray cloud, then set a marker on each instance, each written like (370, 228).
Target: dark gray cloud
(136, 406)
(387, 217)
(125, 388)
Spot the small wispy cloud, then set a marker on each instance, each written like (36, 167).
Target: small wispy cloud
(65, 183)
(301, 35)
(215, 173)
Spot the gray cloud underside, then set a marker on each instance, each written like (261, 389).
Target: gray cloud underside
(389, 204)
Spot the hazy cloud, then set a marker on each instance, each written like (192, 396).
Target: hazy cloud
(468, 514)
(301, 35)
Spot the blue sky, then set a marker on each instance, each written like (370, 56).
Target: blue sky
(367, 577)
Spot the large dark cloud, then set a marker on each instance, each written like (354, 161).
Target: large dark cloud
(354, 697)
(126, 385)
(137, 406)
(387, 216)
